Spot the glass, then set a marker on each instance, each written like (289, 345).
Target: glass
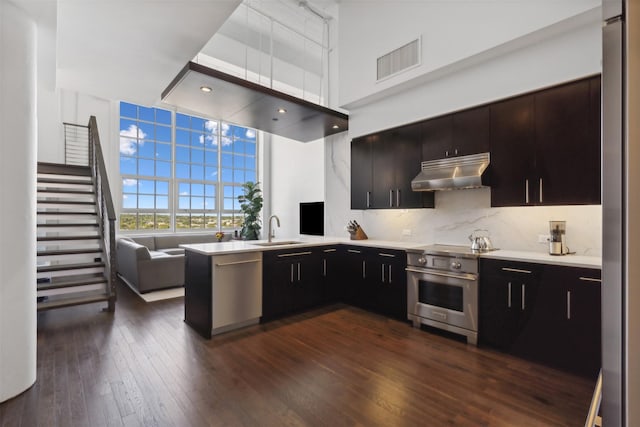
(128, 110)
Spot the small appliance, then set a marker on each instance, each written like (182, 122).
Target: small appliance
(557, 239)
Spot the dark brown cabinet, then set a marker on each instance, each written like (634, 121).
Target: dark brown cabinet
(546, 313)
(382, 167)
(292, 281)
(459, 134)
(388, 283)
(545, 147)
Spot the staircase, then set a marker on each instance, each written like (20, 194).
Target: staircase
(75, 257)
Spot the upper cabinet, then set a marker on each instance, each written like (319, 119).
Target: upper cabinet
(458, 134)
(545, 147)
(382, 167)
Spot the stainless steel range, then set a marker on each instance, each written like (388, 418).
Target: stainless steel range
(442, 289)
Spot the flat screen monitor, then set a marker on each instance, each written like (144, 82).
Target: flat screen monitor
(312, 218)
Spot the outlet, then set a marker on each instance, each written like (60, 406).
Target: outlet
(406, 232)
(543, 238)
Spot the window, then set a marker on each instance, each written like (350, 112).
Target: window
(197, 187)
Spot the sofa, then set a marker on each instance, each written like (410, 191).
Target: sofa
(150, 263)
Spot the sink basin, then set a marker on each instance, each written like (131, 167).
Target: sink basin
(280, 243)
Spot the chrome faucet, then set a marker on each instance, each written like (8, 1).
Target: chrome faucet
(271, 226)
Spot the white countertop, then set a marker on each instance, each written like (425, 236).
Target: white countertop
(543, 258)
(238, 246)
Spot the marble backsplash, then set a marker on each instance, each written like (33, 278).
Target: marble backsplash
(456, 215)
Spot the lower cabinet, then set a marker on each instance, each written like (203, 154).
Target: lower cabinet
(545, 313)
(375, 279)
(292, 281)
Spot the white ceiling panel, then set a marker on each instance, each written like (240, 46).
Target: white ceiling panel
(132, 49)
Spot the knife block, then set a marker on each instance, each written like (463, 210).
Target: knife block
(359, 234)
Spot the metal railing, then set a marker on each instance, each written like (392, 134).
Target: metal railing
(106, 211)
(76, 146)
(594, 408)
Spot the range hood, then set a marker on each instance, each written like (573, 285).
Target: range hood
(452, 173)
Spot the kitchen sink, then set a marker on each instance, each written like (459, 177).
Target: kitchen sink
(281, 243)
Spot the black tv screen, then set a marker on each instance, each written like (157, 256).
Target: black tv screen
(312, 218)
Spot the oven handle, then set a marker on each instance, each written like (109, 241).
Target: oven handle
(469, 277)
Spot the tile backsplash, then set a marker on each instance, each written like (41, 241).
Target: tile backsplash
(456, 215)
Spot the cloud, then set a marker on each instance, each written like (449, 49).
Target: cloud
(210, 125)
(250, 133)
(225, 129)
(128, 182)
(184, 193)
(128, 139)
(125, 197)
(226, 141)
(201, 139)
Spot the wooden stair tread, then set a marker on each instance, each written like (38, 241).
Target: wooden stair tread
(64, 181)
(70, 252)
(71, 224)
(66, 202)
(63, 169)
(66, 191)
(62, 267)
(57, 238)
(71, 281)
(66, 213)
(68, 302)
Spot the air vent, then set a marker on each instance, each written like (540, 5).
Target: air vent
(399, 59)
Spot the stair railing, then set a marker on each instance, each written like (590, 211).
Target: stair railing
(106, 211)
(76, 150)
(594, 408)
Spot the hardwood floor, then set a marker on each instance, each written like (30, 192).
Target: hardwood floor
(334, 366)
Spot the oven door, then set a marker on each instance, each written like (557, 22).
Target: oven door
(443, 297)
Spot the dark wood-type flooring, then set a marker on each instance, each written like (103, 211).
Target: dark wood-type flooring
(333, 366)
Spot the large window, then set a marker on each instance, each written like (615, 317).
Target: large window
(182, 172)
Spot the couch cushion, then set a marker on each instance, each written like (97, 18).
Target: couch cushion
(173, 241)
(158, 254)
(172, 251)
(147, 241)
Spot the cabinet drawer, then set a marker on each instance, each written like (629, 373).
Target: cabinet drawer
(512, 269)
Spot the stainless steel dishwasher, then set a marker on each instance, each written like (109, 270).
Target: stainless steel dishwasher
(236, 297)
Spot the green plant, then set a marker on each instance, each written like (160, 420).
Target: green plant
(251, 205)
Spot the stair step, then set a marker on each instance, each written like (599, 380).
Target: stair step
(64, 181)
(66, 191)
(65, 202)
(70, 252)
(70, 224)
(62, 169)
(69, 302)
(67, 237)
(71, 281)
(66, 213)
(63, 267)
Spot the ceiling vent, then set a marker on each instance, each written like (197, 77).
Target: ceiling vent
(399, 60)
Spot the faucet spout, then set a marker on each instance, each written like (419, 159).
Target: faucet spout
(270, 236)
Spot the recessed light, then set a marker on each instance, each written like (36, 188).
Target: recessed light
(281, 110)
(205, 89)
(336, 127)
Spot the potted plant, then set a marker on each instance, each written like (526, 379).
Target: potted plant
(251, 205)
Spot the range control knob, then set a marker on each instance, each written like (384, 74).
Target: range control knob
(422, 261)
(456, 265)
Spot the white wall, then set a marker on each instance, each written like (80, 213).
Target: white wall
(296, 175)
(450, 31)
(18, 184)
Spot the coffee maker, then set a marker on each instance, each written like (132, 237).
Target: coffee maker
(557, 242)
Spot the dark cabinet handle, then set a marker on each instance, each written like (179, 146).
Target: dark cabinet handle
(389, 273)
(364, 269)
(590, 279)
(390, 198)
(568, 305)
(382, 273)
(540, 183)
(368, 199)
(509, 295)
(523, 296)
(291, 273)
(526, 191)
(398, 198)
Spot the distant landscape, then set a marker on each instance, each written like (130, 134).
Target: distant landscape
(141, 221)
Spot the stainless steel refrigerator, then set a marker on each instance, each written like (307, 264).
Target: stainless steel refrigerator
(621, 213)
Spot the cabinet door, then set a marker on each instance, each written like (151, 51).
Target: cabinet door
(383, 172)
(354, 274)
(361, 167)
(331, 266)
(391, 292)
(437, 137)
(567, 155)
(593, 155)
(470, 132)
(510, 171)
(277, 287)
(407, 148)
(497, 314)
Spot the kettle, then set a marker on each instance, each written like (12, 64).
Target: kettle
(480, 242)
